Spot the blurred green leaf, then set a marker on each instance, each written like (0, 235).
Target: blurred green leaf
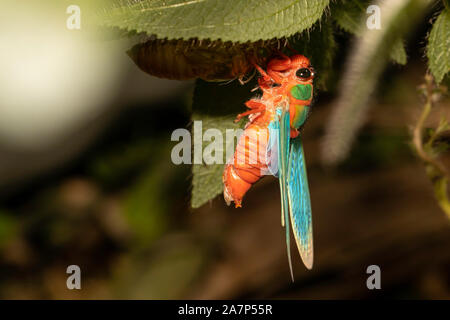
(398, 53)
(351, 16)
(216, 105)
(441, 192)
(375, 149)
(145, 204)
(122, 161)
(8, 227)
(438, 49)
(232, 20)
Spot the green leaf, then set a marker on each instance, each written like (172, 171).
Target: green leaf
(438, 49)
(441, 192)
(8, 227)
(145, 203)
(231, 20)
(216, 106)
(111, 168)
(398, 52)
(351, 17)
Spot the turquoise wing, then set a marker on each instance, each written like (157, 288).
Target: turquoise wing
(300, 202)
(283, 159)
(287, 162)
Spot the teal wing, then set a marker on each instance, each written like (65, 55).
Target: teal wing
(300, 203)
(287, 161)
(283, 159)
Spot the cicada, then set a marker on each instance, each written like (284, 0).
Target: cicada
(271, 145)
(206, 59)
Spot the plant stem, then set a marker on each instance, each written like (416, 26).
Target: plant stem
(437, 172)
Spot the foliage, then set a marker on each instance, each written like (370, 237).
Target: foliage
(232, 20)
(438, 49)
(144, 197)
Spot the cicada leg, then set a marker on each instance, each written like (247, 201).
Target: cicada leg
(242, 80)
(264, 75)
(278, 65)
(254, 106)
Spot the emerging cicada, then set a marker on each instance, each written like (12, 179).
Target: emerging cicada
(271, 144)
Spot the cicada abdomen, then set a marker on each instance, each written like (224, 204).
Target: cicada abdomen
(249, 162)
(208, 60)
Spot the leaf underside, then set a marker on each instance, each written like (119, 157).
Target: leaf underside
(231, 20)
(438, 49)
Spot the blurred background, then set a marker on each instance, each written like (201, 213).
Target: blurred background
(86, 179)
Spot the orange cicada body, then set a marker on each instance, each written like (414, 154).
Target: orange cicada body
(271, 145)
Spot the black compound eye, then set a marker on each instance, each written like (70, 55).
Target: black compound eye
(303, 73)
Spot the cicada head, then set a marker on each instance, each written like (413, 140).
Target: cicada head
(299, 88)
(302, 71)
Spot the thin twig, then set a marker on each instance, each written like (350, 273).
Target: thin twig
(438, 173)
